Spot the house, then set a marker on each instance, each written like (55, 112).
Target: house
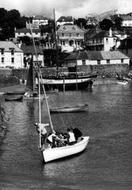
(36, 33)
(30, 51)
(126, 20)
(10, 55)
(101, 40)
(64, 20)
(37, 22)
(70, 37)
(87, 58)
(91, 21)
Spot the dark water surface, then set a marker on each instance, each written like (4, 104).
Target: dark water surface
(107, 162)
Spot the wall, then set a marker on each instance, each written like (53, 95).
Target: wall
(102, 70)
(18, 60)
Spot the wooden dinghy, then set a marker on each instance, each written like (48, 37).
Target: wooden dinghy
(14, 98)
(122, 82)
(64, 109)
(50, 154)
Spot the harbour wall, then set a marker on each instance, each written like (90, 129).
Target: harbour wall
(17, 75)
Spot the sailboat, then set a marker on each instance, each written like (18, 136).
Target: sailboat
(54, 153)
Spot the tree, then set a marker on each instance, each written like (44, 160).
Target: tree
(106, 24)
(117, 22)
(3, 15)
(81, 22)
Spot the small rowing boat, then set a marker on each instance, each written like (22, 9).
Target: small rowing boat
(64, 109)
(13, 97)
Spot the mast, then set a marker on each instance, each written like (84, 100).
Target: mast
(39, 85)
(56, 41)
(39, 111)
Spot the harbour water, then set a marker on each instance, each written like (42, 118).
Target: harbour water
(105, 165)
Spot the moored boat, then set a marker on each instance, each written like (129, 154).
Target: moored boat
(65, 109)
(13, 97)
(122, 82)
(67, 83)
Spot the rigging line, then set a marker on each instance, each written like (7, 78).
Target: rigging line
(38, 83)
(47, 105)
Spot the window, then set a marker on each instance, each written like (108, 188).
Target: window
(106, 40)
(62, 34)
(70, 34)
(12, 51)
(77, 34)
(2, 60)
(12, 60)
(122, 60)
(98, 62)
(83, 62)
(63, 42)
(108, 61)
(2, 51)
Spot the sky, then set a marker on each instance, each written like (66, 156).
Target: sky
(75, 8)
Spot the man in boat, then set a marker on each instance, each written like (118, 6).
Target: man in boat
(41, 128)
(78, 134)
(56, 140)
(71, 139)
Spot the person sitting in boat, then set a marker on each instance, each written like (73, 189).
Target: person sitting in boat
(78, 134)
(71, 139)
(56, 140)
(51, 140)
(41, 128)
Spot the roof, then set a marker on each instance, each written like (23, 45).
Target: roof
(97, 55)
(30, 49)
(25, 30)
(39, 17)
(97, 34)
(126, 17)
(65, 19)
(8, 45)
(70, 29)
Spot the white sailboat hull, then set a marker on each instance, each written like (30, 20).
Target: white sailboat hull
(51, 154)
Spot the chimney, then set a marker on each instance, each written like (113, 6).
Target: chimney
(110, 32)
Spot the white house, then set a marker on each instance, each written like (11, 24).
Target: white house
(65, 20)
(126, 20)
(70, 37)
(39, 20)
(97, 58)
(30, 51)
(10, 55)
(36, 33)
(100, 40)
